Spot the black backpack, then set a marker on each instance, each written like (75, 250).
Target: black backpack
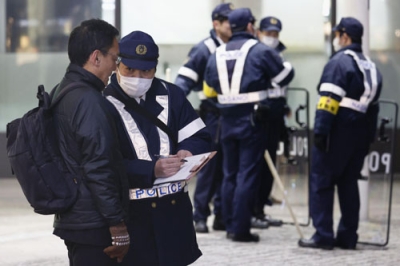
(35, 158)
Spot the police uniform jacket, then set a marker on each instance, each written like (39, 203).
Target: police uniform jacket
(191, 74)
(161, 227)
(248, 79)
(86, 134)
(349, 89)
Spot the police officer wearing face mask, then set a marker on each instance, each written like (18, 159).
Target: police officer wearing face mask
(190, 78)
(268, 34)
(161, 218)
(345, 125)
(246, 70)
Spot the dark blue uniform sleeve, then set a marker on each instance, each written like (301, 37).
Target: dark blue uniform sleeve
(281, 73)
(192, 134)
(211, 74)
(191, 74)
(331, 89)
(142, 171)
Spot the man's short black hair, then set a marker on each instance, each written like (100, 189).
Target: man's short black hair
(353, 39)
(91, 35)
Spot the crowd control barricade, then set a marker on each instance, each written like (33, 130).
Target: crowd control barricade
(374, 226)
(293, 160)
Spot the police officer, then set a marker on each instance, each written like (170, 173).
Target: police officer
(161, 217)
(246, 69)
(345, 125)
(268, 34)
(190, 78)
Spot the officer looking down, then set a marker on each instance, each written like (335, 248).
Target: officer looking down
(161, 219)
(246, 70)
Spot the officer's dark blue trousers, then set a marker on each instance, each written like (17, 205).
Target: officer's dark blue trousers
(272, 136)
(340, 166)
(209, 179)
(243, 148)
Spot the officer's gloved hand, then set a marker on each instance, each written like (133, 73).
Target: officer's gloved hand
(120, 242)
(321, 142)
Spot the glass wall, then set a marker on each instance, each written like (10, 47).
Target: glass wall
(34, 34)
(34, 47)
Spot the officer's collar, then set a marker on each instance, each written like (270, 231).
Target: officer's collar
(356, 47)
(281, 47)
(241, 35)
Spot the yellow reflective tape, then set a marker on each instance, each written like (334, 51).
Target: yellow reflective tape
(328, 104)
(208, 91)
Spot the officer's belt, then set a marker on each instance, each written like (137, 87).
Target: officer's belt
(201, 95)
(276, 93)
(249, 97)
(353, 104)
(157, 191)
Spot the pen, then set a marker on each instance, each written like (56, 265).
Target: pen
(166, 156)
(161, 156)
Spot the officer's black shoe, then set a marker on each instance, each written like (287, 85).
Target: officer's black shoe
(259, 223)
(311, 243)
(343, 246)
(229, 235)
(245, 237)
(218, 224)
(201, 227)
(271, 221)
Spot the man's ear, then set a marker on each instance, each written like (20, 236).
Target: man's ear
(94, 58)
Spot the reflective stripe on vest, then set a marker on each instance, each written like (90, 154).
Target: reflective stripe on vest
(240, 56)
(137, 139)
(209, 42)
(370, 90)
(276, 92)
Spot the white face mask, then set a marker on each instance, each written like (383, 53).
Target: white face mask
(336, 45)
(270, 41)
(134, 87)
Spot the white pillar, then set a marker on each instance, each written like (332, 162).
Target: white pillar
(359, 9)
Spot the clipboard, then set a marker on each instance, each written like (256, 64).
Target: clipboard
(189, 169)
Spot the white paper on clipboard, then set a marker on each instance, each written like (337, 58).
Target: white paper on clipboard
(189, 169)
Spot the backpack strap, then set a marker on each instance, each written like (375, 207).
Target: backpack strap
(56, 96)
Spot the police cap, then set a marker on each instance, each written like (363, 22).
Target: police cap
(138, 50)
(239, 18)
(222, 11)
(351, 26)
(270, 24)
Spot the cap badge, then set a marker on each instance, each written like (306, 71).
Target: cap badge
(273, 21)
(141, 49)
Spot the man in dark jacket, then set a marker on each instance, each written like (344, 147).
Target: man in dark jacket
(94, 228)
(161, 219)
